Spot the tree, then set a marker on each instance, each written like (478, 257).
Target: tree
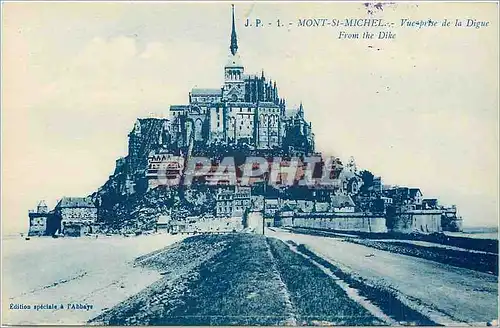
(367, 178)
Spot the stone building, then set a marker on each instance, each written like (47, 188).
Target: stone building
(408, 212)
(232, 202)
(271, 206)
(450, 219)
(224, 203)
(163, 223)
(39, 220)
(241, 201)
(410, 198)
(77, 216)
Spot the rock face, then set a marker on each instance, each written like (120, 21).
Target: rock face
(124, 194)
(139, 210)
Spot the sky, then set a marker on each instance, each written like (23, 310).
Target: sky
(420, 110)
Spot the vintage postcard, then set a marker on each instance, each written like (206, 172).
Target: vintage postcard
(250, 163)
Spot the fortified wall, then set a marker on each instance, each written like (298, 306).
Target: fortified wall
(337, 221)
(423, 221)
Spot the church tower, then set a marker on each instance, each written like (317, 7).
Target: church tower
(234, 84)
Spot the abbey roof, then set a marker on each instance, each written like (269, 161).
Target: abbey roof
(68, 202)
(206, 92)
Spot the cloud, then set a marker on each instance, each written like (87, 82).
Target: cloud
(156, 51)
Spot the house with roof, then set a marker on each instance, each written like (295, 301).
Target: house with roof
(322, 199)
(416, 197)
(163, 222)
(410, 198)
(342, 204)
(350, 182)
(450, 219)
(177, 226)
(77, 215)
(430, 204)
(285, 217)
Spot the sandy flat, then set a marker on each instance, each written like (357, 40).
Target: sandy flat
(459, 295)
(429, 244)
(87, 271)
(99, 272)
(484, 235)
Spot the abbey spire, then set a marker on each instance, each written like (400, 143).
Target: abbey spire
(234, 82)
(234, 38)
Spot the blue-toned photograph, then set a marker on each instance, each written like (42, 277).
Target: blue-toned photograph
(250, 163)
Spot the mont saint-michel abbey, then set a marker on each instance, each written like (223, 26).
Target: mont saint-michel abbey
(246, 111)
(243, 118)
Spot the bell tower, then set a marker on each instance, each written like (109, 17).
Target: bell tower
(234, 84)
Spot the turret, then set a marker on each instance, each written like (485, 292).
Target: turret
(301, 111)
(42, 207)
